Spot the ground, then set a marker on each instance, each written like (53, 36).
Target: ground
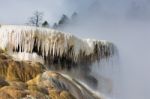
(23, 79)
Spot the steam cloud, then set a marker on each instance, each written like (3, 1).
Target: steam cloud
(124, 22)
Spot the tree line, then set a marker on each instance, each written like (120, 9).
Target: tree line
(37, 20)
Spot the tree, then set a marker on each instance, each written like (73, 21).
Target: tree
(55, 26)
(74, 15)
(45, 24)
(36, 19)
(64, 19)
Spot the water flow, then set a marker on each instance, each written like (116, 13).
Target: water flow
(107, 73)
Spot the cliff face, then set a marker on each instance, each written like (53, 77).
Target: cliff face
(57, 49)
(31, 80)
(17, 80)
(28, 54)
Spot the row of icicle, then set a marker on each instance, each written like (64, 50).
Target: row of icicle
(51, 43)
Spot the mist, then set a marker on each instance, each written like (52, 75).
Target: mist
(129, 31)
(132, 41)
(123, 22)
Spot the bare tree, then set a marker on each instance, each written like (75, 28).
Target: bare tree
(36, 19)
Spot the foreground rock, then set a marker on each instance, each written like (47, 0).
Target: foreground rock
(14, 76)
(30, 80)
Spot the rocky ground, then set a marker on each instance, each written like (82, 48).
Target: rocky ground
(29, 80)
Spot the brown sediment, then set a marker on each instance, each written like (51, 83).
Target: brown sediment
(22, 79)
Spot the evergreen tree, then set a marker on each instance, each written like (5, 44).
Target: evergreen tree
(45, 24)
(55, 26)
(64, 19)
(74, 15)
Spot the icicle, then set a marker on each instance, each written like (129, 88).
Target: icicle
(51, 42)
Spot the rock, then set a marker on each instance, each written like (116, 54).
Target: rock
(4, 95)
(3, 83)
(38, 89)
(43, 84)
(14, 92)
(36, 95)
(30, 80)
(23, 79)
(12, 70)
(55, 94)
(18, 84)
(23, 71)
(66, 95)
(35, 81)
(4, 64)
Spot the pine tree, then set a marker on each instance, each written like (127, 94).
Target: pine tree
(64, 19)
(45, 24)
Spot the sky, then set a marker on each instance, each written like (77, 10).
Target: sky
(19, 11)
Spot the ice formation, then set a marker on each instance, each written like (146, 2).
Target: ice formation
(27, 57)
(54, 46)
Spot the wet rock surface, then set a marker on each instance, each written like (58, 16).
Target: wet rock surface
(19, 80)
(31, 80)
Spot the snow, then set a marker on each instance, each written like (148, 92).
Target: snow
(27, 57)
(24, 39)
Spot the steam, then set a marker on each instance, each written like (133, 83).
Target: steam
(132, 40)
(128, 28)
(123, 22)
(54, 9)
